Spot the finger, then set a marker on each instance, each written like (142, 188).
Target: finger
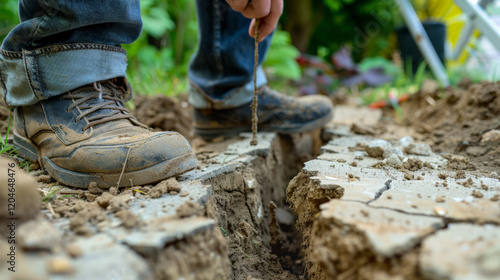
(268, 24)
(238, 5)
(257, 9)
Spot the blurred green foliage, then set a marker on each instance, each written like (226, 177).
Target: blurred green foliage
(8, 17)
(158, 59)
(365, 26)
(281, 59)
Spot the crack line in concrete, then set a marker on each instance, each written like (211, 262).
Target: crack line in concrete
(387, 186)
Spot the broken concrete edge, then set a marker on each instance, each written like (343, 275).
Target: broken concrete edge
(147, 240)
(335, 171)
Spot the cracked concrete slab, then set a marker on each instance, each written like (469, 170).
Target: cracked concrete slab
(366, 214)
(453, 201)
(462, 252)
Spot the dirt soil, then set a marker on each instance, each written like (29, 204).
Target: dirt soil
(455, 120)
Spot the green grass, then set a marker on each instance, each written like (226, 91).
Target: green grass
(5, 147)
(155, 81)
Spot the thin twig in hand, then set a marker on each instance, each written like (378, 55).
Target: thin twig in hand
(254, 141)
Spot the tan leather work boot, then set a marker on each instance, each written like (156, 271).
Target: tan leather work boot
(87, 135)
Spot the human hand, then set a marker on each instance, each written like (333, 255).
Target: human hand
(268, 11)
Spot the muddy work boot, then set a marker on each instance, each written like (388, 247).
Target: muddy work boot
(87, 135)
(276, 112)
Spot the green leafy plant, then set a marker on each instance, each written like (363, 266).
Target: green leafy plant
(281, 59)
(8, 17)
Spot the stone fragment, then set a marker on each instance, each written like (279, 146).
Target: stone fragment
(420, 149)
(393, 160)
(39, 235)
(472, 252)
(492, 136)
(376, 148)
(440, 199)
(74, 250)
(393, 151)
(60, 266)
(405, 141)
(362, 129)
(409, 176)
(440, 211)
(34, 166)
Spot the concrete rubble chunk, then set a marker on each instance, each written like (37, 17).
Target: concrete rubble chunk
(364, 188)
(393, 151)
(420, 149)
(39, 235)
(376, 148)
(405, 141)
(472, 253)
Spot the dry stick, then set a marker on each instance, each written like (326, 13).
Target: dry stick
(123, 168)
(254, 141)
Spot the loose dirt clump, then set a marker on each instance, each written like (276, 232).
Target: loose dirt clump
(460, 163)
(413, 164)
(170, 186)
(188, 209)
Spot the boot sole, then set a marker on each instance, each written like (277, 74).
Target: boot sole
(150, 175)
(211, 133)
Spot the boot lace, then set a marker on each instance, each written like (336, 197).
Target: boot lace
(109, 99)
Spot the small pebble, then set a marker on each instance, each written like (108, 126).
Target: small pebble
(34, 166)
(409, 176)
(143, 204)
(440, 211)
(439, 199)
(60, 266)
(74, 250)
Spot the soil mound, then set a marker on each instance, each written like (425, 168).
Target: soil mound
(460, 120)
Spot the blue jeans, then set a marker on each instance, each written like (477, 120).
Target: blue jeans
(61, 45)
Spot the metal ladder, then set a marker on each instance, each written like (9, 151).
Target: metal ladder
(477, 18)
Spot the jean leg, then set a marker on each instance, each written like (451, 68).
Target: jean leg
(61, 45)
(221, 70)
